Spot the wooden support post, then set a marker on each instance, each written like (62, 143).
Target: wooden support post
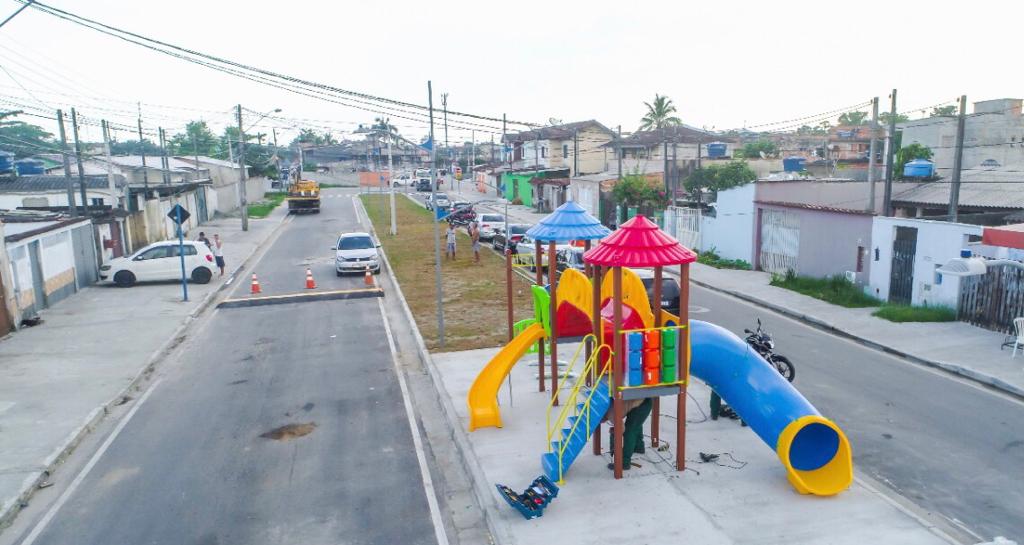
(683, 365)
(595, 316)
(618, 421)
(552, 270)
(540, 346)
(656, 307)
(508, 292)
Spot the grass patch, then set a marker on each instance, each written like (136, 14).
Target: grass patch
(904, 313)
(710, 257)
(267, 205)
(474, 293)
(835, 290)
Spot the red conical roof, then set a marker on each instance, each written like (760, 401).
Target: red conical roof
(639, 243)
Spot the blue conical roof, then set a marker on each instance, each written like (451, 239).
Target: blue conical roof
(568, 222)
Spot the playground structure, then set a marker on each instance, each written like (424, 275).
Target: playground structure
(632, 349)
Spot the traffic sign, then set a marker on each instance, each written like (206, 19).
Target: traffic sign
(178, 214)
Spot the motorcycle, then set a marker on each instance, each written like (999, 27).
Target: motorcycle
(762, 343)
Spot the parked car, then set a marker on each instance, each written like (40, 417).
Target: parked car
(161, 261)
(438, 200)
(570, 258)
(402, 180)
(516, 231)
(669, 289)
(488, 223)
(355, 252)
(526, 248)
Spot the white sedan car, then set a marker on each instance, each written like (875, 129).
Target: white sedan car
(356, 252)
(161, 261)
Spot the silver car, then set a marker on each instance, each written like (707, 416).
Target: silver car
(355, 252)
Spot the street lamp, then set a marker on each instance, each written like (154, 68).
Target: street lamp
(967, 265)
(242, 197)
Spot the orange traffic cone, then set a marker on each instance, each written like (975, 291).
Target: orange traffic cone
(310, 283)
(255, 284)
(368, 278)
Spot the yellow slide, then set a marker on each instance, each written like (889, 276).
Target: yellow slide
(483, 394)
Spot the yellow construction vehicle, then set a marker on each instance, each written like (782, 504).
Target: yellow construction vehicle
(304, 196)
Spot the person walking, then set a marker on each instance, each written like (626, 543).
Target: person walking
(218, 252)
(450, 240)
(474, 235)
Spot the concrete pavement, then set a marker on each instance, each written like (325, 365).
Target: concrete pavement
(61, 377)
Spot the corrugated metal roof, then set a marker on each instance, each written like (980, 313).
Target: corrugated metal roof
(978, 188)
(50, 182)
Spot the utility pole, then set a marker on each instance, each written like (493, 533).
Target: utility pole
(437, 234)
(575, 152)
(492, 148)
(142, 152)
(958, 159)
(675, 169)
(72, 209)
(277, 158)
(78, 159)
(444, 106)
(195, 154)
(618, 152)
(890, 140)
(165, 165)
(111, 186)
(664, 151)
(472, 158)
(243, 201)
(871, 155)
(391, 172)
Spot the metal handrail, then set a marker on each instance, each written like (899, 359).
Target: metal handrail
(560, 383)
(573, 397)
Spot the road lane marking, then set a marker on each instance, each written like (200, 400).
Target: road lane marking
(428, 484)
(41, 525)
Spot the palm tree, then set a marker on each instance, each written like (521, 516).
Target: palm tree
(659, 114)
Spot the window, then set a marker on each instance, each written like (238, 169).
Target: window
(543, 151)
(355, 243)
(155, 253)
(565, 150)
(189, 250)
(96, 201)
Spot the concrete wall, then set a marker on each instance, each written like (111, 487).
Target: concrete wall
(57, 261)
(7, 296)
(937, 243)
(731, 230)
(830, 242)
(848, 195)
(11, 201)
(989, 135)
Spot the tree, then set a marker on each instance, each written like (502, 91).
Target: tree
(310, 137)
(206, 143)
(816, 130)
(636, 190)
(719, 177)
(752, 150)
(659, 114)
(853, 118)
(941, 111)
(884, 117)
(23, 139)
(908, 154)
(132, 147)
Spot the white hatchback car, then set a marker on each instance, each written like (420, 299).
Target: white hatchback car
(488, 223)
(355, 252)
(161, 261)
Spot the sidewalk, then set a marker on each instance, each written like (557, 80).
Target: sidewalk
(744, 499)
(60, 377)
(957, 347)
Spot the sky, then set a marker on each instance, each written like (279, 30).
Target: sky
(724, 65)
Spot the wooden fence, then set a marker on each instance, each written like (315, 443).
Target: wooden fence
(992, 300)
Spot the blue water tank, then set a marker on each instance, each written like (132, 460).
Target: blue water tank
(717, 150)
(26, 167)
(6, 161)
(793, 164)
(918, 168)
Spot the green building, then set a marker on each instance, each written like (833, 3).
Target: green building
(517, 182)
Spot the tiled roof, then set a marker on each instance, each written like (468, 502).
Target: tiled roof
(50, 182)
(556, 132)
(639, 243)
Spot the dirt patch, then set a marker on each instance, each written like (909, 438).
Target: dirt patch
(474, 293)
(290, 431)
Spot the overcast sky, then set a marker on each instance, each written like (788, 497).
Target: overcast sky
(725, 65)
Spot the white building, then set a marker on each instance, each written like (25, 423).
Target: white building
(48, 190)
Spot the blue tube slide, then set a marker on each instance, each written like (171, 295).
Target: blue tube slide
(814, 451)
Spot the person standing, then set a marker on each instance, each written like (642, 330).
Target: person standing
(202, 238)
(218, 252)
(474, 236)
(450, 240)
(637, 411)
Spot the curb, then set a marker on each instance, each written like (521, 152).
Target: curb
(959, 370)
(93, 419)
(466, 458)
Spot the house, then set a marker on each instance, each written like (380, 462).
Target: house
(988, 196)
(518, 184)
(905, 253)
(593, 191)
(48, 257)
(48, 190)
(993, 136)
(578, 147)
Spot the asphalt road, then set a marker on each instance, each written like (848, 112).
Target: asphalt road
(277, 424)
(947, 445)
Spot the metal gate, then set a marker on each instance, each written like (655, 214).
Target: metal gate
(780, 241)
(83, 243)
(901, 274)
(684, 225)
(992, 300)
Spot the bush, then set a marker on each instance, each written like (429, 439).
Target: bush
(835, 289)
(904, 313)
(710, 257)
